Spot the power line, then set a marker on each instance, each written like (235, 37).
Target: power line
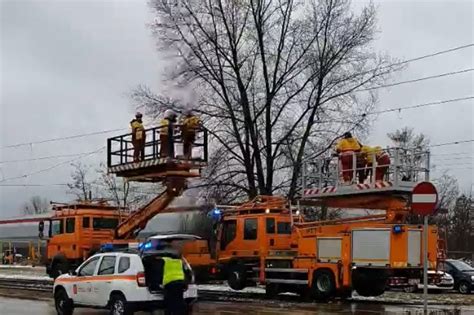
(31, 185)
(432, 54)
(417, 80)
(454, 158)
(398, 109)
(63, 138)
(453, 153)
(388, 66)
(451, 143)
(54, 166)
(42, 158)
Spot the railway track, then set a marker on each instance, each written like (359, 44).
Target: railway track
(47, 286)
(26, 284)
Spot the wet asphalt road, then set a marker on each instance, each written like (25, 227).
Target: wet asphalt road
(14, 306)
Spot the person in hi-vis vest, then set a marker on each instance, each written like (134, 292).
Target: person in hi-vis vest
(174, 286)
(346, 148)
(138, 138)
(166, 134)
(190, 124)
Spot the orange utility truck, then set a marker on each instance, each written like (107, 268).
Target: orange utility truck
(265, 242)
(78, 230)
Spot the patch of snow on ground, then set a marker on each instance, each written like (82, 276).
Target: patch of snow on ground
(22, 267)
(23, 277)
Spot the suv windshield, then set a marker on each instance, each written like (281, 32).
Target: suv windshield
(461, 265)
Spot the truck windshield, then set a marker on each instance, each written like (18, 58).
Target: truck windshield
(104, 223)
(57, 227)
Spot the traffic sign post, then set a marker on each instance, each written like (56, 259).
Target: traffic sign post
(424, 200)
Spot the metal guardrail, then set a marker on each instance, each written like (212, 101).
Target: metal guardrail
(406, 167)
(120, 148)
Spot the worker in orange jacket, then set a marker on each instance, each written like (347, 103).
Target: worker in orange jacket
(138, 137)
(382, 160)
(190, 124)
(346, 148)
(166, 134)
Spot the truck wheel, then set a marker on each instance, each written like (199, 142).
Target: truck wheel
(118, 305)
(324, 285)
(369, 282)
(63, 304)
(464, 288)
(58, 268)
(237, 277)
(271, 290)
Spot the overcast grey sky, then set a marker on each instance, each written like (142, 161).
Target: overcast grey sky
(67, 66)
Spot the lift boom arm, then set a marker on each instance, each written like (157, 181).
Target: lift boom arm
(139, 219)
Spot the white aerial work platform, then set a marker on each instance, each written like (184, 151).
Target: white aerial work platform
(322, 178)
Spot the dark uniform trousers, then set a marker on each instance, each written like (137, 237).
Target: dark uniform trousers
(174, 298)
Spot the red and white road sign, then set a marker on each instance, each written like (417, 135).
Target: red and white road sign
(424, 198)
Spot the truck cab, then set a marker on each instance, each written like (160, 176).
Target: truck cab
(76, 231)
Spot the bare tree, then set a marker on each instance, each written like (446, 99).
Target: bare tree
(81, 184)
(461, 228)
(413, 148)
(406, 138)
(321, 213)
(278, 81)
(36, 205)
(122, 193)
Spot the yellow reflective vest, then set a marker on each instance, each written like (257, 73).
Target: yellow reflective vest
(350, 144)
(371, 152)
(172, 270)
(137, 129)
(191, 123)
(164, 123)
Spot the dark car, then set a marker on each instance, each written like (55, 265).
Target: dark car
(462, 273)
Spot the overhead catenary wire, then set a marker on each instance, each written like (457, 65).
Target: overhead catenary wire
(42, 158)
(54, 166)
(451, 143)
(399, 109)
(416, 80)
(438, 53)
(395, 109)
(100, 132)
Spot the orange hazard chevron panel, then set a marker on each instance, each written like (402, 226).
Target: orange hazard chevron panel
(317, 191)
(156, 162)
(375, 185)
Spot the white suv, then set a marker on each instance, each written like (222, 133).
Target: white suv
(118, 281)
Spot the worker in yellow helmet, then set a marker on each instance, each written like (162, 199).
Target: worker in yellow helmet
(166, 134)
(138, 137)
(190, 124)
(346, 148)
(380, 157)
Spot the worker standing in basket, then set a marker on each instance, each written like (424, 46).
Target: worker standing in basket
(190, 124)
(138, 138)
(346, 148)
(166, 134)
(382, 160)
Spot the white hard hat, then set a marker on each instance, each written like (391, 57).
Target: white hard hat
(169, 113)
